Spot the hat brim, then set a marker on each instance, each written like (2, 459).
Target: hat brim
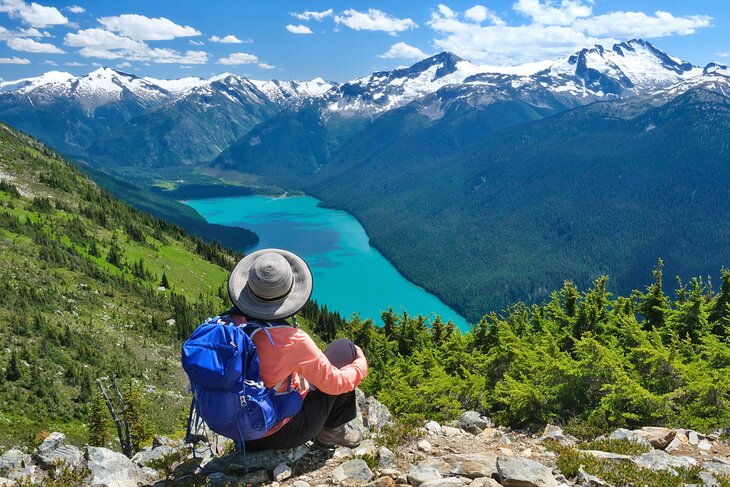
(252, 306)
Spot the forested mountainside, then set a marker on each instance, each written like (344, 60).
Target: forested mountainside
(79, 296)
(599, 189)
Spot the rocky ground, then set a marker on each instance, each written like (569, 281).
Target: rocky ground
(469, 452)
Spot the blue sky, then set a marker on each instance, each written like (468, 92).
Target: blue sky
(337, 39)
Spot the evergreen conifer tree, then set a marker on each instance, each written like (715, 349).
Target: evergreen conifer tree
(100, 422)
(164, 282)
(133, 413)
(13, 372)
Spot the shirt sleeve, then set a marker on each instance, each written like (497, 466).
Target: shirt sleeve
(314, 366)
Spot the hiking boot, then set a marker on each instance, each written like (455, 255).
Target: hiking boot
(342, 435)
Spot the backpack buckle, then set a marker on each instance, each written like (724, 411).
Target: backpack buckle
(243, 401)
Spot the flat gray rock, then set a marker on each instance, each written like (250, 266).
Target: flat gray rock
(433, 427)
(521, 472)
(605, 455)
(111, 469)
(661, 460)
(632, 436)
(355, 469)
(235, 463)
(447, 482)
(484, 482)
(148, 456)
(6, 482)
(13, 459)
(420, 474)
(717, 466)
(67, 454)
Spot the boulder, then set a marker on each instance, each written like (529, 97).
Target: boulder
(386, 458)
(472, 465)
(433, 428)
(555, 433)
(148, 456)
(450, 431)
(282, 472)
(375, 415)
(13, 459)
(384, 481)
(112, 469)
(658, 437)
(473, 422)
(694, 438)
(160, 440)
(521, 472)
(236, 463)
(420, 474)
(632, 436)
(587, 480)
(705, 445)
(717, 466)
(424, 446)
(6, 482)
(661, 460)
(447, 482)
(52, 441)
(708, 480)
(343, 453)
(29, 473)
(366, 447)
(54, 450)
(355, 469)
(484, 482)
(67, 454)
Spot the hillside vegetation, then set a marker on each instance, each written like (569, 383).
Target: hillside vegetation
(79, 298)
(584, 358)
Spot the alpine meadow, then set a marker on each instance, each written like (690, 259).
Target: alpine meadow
(497, 236)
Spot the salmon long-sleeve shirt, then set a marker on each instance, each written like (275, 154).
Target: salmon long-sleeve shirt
(295, 353)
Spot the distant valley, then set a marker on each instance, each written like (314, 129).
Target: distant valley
(485, 185)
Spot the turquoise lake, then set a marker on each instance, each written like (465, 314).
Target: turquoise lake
(350, 276)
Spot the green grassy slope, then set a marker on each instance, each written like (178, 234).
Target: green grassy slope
(70, 312)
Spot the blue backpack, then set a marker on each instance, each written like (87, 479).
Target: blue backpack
(222, 364)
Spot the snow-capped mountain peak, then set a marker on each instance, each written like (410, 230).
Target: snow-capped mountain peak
(633, 66)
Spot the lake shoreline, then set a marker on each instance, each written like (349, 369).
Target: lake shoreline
(458, 318)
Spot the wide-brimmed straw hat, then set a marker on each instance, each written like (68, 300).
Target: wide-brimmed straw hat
(270, 284)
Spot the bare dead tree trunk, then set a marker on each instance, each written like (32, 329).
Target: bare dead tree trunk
(126, 423)
(122, 426)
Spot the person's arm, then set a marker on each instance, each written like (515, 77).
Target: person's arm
(314, 366)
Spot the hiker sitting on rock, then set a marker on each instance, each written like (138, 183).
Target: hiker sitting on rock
(268, 286)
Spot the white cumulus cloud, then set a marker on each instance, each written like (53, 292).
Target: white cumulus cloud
(299, 29)
(401, 50)
(102, 44)
(75, 9)
(556, 27)
(374, 19)
(141, 28)
(266, 66)
(312, 15)
(34, 14)
(14, 60)
(229, 39)
(29, 45)
(238, 58)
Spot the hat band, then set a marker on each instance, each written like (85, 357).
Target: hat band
(276, 298)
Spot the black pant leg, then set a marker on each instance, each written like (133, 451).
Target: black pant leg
(318, 409)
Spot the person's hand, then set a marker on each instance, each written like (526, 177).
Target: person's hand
(358, 352)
